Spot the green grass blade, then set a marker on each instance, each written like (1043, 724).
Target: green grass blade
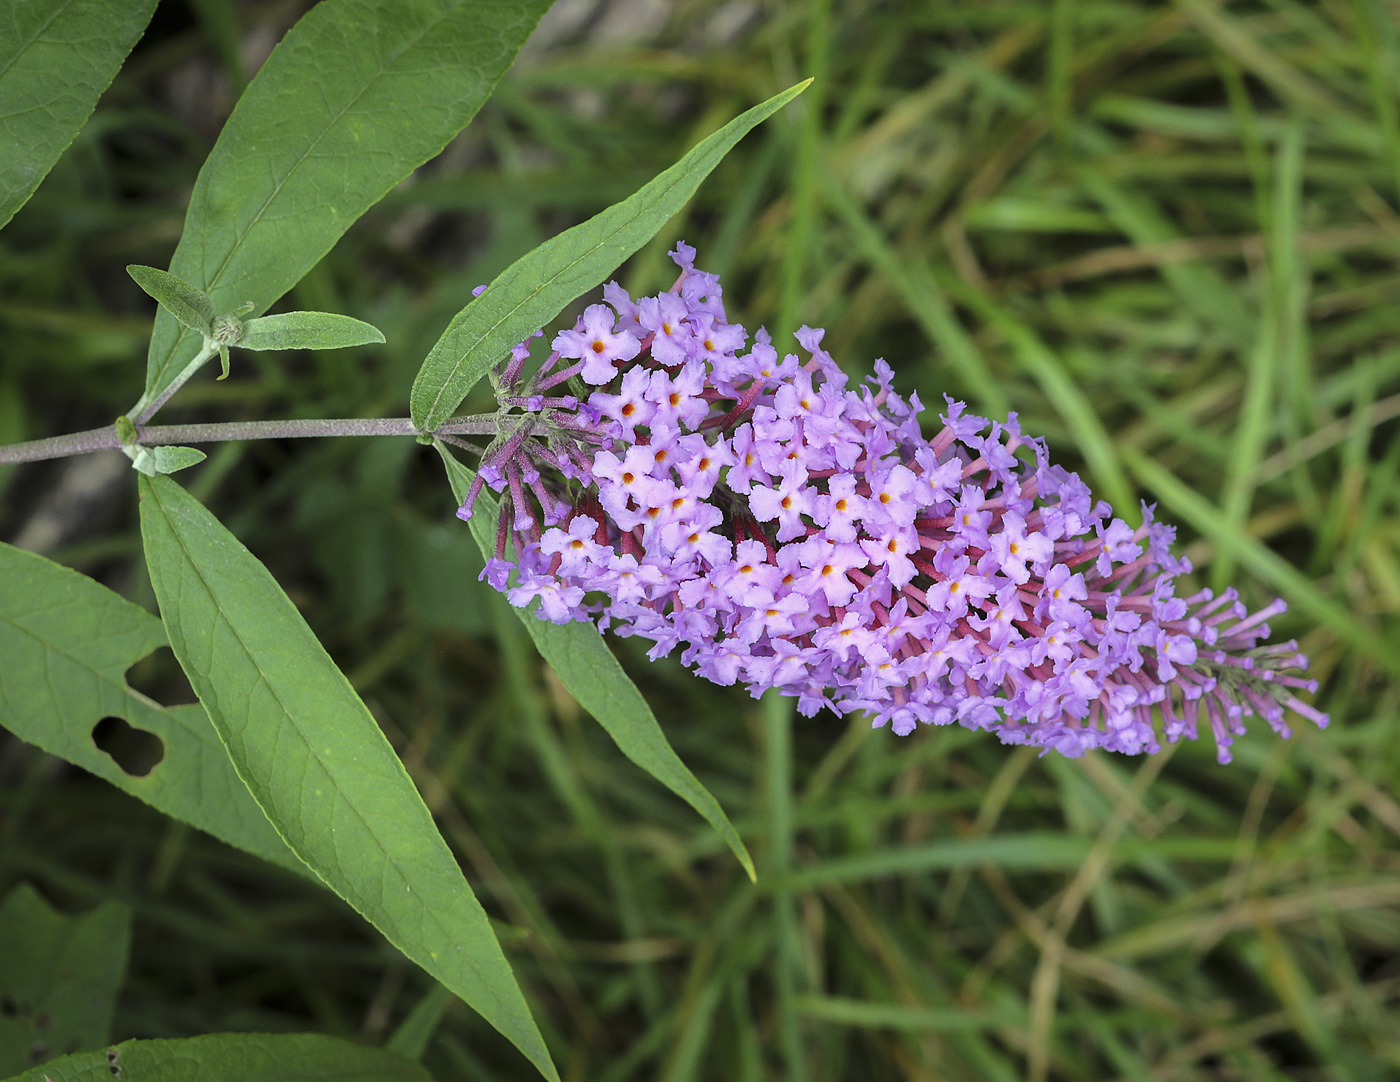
(835, 1010)
(233, 1057)
(585, 665)
(315, 759)
(415, 1032)
(925, 299)
(536, 287)
(1041, 851)
(357, 95)
(1069, 401)
(67, 642)
(55, 61)
(60, 977)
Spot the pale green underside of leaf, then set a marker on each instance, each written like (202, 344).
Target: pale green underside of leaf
(59, 975)
(355, 97)
(537, 286)
(233, 1057)
(307, 330)
(585, 665)
(175, 459)
(56, 58)
(315, 759)
(67, 642)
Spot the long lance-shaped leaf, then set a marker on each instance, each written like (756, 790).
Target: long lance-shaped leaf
(316, 761)
(67, 642)
(585, 665)
(535, 288)
(355, 97)
(56, 58)
(232, 1057)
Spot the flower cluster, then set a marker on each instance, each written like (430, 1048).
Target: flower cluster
(788, 531)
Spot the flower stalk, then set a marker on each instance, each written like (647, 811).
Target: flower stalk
(110, 439)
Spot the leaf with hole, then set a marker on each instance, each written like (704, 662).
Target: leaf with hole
(56, 58)
(356, 96)
(67, 642)
(315, 759)
(59, 978)
(585, 665)
(233, 1057)
(536, 287)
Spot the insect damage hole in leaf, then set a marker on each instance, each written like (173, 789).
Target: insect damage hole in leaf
(136, 751)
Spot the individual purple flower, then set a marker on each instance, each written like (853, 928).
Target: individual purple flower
(595, 342)
(788, 531)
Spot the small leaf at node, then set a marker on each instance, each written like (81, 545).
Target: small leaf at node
(189, 305)
(307, 330)
(174, 459)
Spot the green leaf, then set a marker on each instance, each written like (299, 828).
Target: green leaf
(189, 305)
(60, 976)
(56, 58)
(585, 665)
(316, 761)
(233, 1057)
(535, 288)
(306, 330)
(67, 642)
(355, 97)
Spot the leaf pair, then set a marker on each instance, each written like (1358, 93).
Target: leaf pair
(289, 330)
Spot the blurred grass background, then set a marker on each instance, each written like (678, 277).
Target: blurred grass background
(1164, 233)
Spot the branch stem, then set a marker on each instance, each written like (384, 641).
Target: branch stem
(106, 439)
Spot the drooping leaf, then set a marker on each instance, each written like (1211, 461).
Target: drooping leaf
(192, 307)
(315, 759)
(537, 286)
(307, 330)
(59, 977)
(233, 1057)
(585, 665)
(67, 642)
(355, 97)
(56, 58)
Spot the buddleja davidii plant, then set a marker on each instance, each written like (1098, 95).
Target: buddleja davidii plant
(281, 757)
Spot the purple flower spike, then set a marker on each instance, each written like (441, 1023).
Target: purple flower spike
(785, 531)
